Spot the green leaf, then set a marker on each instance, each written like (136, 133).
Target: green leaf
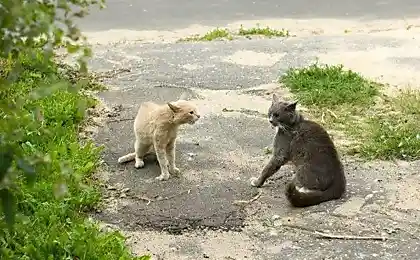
(27, 169)
(8, 204)
(72, 48)
(47, 90)
(6, 159)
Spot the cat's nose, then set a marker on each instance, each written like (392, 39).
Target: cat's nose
(270, 120)
(198, 116)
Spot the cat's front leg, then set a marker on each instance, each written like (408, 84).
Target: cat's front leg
(272, 167)
(160, 150)
(170, 151)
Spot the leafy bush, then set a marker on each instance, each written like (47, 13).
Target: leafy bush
(45, 172)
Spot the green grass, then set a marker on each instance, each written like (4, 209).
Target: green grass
(267, 32)
(393, 132)
(212, 35)
(223, 33)
(47, 226)
(374, 126)
(329, 86)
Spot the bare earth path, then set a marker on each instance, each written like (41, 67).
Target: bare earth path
(194, 217)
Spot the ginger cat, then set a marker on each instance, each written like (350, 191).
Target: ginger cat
(155, 129)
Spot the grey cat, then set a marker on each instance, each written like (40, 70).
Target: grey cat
(319, 171)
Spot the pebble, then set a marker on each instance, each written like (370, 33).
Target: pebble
(125, 190)
(275, 217)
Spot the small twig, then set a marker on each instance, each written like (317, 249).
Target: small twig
(323, 117)
(145, 199)
(332, 113)
(298, 227)
(332, 236)
(346, 237)
(176, 195)
(110, 74)
(120, 120)
(238, 202)
(160, 198)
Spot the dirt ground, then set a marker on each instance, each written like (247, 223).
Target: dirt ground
(194, 216)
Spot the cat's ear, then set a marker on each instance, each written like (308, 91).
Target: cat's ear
(183, 96)
(173, 107)
(291, 106)
(275, 98)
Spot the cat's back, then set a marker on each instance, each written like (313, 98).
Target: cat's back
(312, 140)
(148, 114)
(148, 108)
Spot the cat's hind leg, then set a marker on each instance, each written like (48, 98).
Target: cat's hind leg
(140, 151)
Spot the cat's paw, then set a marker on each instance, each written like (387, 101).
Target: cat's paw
(163, 177)
(254, 182)
(121, 160)
(175, 171)
(139, 164)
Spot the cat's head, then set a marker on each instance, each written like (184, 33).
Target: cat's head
(185, 112)
(282, 114)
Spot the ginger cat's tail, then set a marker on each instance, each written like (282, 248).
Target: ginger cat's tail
(311, 197)
(127, 158)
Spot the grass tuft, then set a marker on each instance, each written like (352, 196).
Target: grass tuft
(394, 132)
(329, 86)
(212, 35)
(267, 32)
(374, 126)
(218, 33)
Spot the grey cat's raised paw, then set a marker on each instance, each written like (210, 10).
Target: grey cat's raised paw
(254, 182)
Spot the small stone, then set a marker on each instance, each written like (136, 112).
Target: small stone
(273, 233)
(275, 217)
(123, 195)
(111, 188)
(125, 190)
(191, 154)
(205, 256)
(368, 197)
(227, 110)
(277, 224)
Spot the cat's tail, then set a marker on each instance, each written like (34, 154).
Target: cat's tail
(305, 198)
(127, 158)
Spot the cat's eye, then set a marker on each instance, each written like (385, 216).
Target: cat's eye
(275, 114)
(192, 112)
